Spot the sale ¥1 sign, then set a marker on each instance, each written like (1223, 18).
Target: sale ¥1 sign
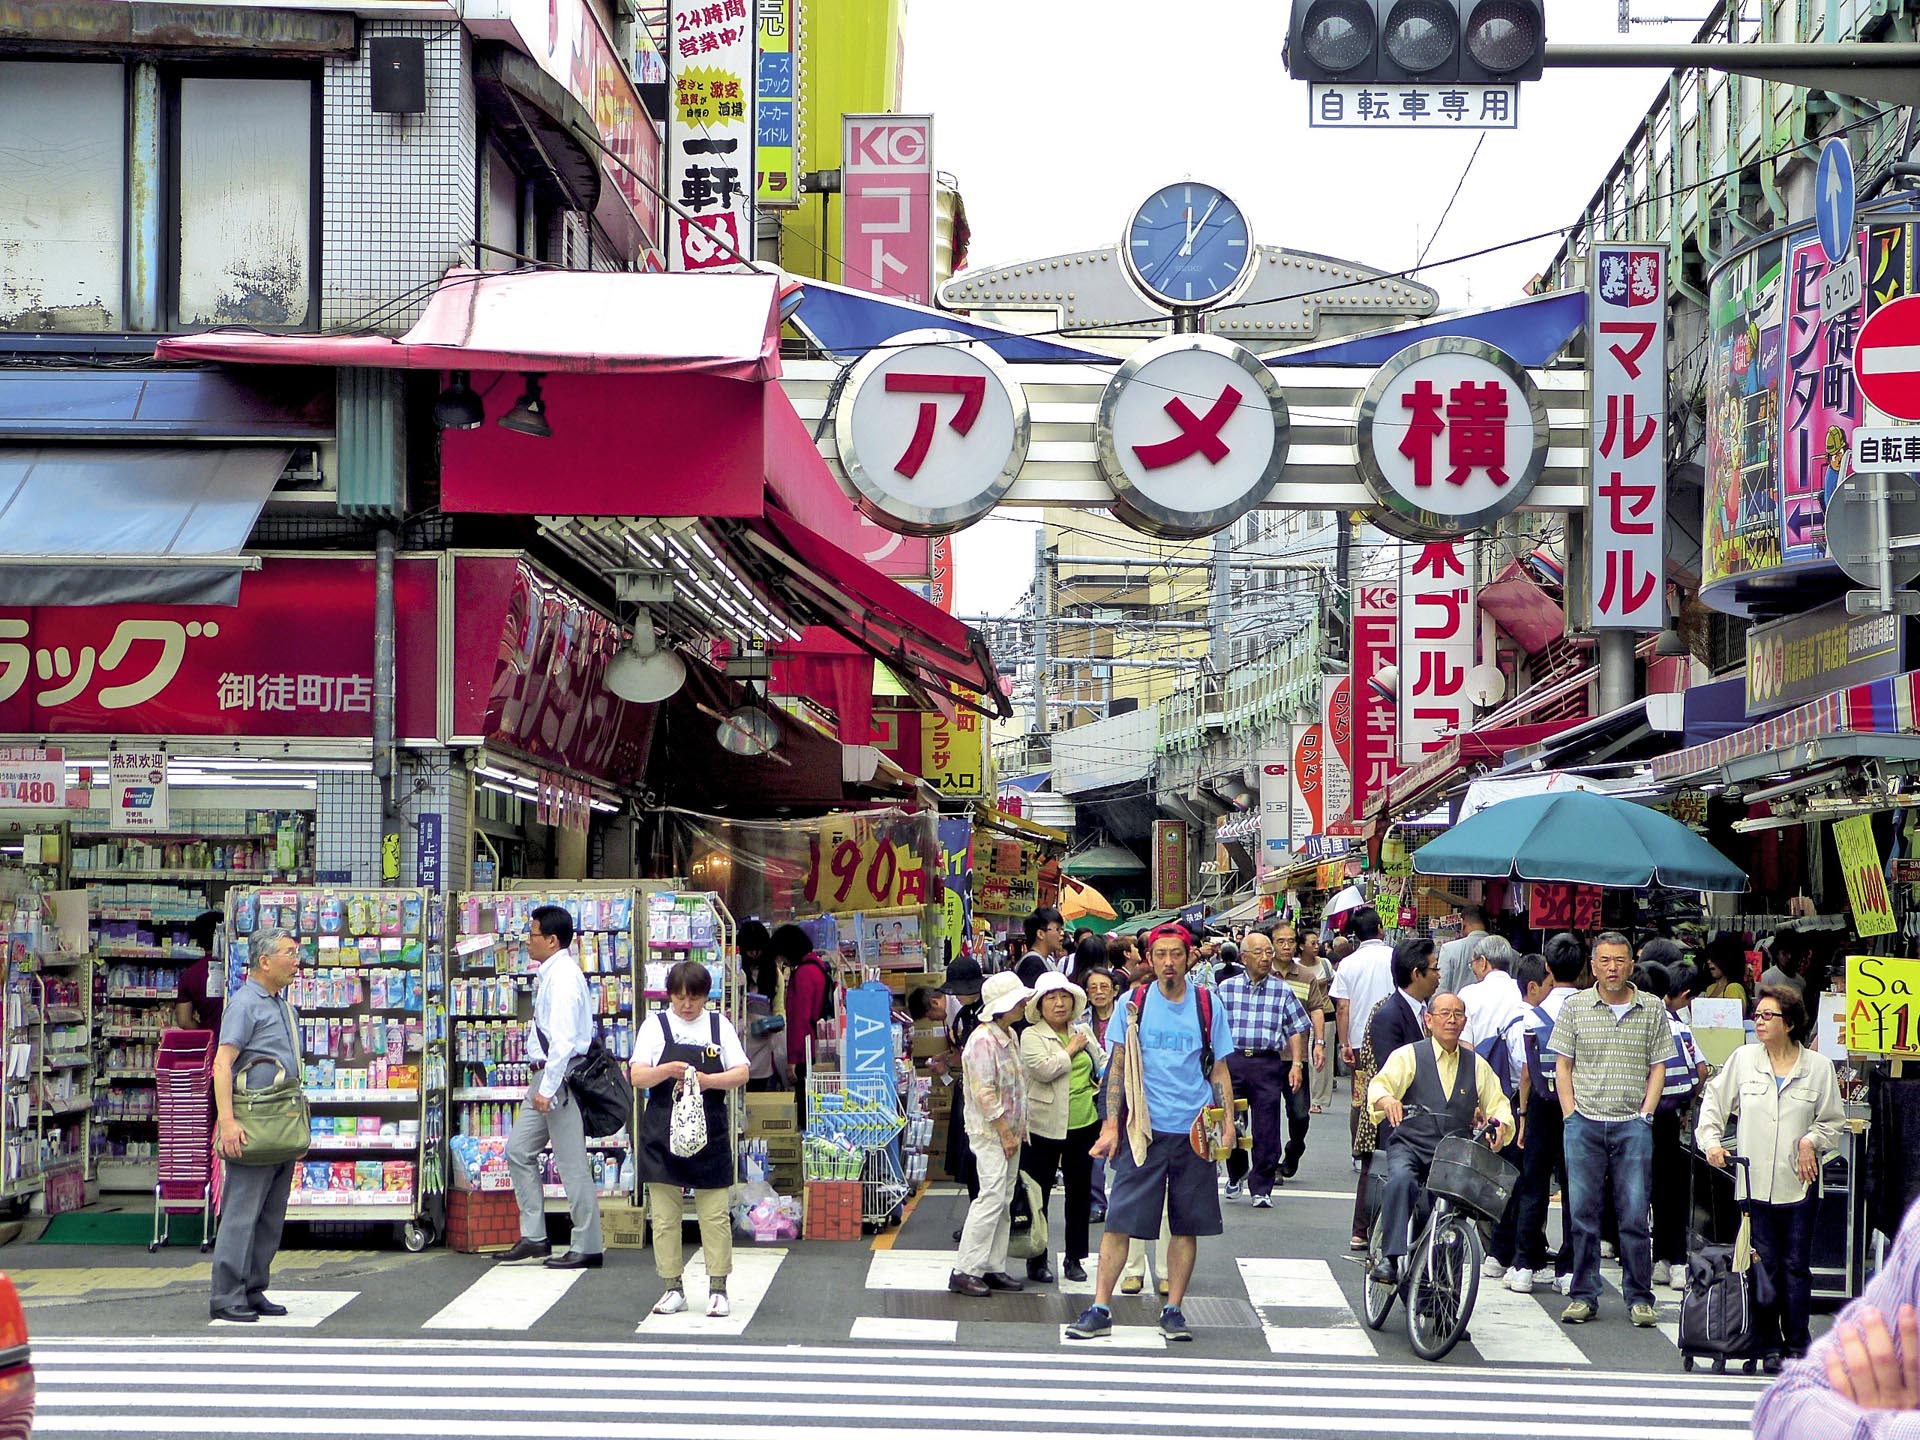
(32, 777)
(1883, 1005)
(1866, 884)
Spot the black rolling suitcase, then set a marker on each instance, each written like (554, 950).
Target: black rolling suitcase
(1720, 1308)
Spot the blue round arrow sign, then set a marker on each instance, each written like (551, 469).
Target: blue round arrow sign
(1833, 199)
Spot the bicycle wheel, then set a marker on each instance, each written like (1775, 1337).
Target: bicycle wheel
(1378, 1297)
(1443, 1285)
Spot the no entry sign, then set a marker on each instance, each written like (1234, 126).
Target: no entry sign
(1886, 359)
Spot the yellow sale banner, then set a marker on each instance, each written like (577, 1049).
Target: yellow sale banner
(1883, 1005)
(1866, 885)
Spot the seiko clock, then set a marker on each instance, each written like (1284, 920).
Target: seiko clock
(1188, 245)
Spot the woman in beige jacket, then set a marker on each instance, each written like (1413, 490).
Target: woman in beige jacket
(1062, 1061)
(1788, 1101)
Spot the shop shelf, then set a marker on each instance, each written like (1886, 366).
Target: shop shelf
(364, 1097)
(159, 914)
(56, 1013)
(129, 1074)
(237, 877)
(353, 1204)
(68, 1060)
(491, 1092)
(64, 1107)
(140, 995)
(342, 1144)
(140, 952)
(131, 1032)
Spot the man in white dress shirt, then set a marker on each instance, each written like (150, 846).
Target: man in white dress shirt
(550, 1116)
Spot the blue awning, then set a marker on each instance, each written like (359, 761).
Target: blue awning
(1532, 332)
(850, 322)
(1716, 709)
(1028, 783)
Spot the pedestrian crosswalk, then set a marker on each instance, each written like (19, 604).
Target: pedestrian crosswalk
(1295, 1308)
(290, 1384)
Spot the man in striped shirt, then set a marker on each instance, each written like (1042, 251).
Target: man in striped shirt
(1266, 1017)
(1861, 1380)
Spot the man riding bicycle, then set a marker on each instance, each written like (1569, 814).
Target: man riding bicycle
(1425, 1092)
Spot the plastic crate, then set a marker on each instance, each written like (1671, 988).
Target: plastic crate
(1472, 1177)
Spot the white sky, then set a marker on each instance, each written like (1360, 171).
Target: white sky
(1058, 116)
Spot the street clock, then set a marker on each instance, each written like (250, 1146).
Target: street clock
(1188, 246)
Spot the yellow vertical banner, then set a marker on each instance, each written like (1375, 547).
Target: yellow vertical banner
(776, 90)
(1866, 883)
(953, 754)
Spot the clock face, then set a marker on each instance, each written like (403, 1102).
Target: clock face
(1188, 245)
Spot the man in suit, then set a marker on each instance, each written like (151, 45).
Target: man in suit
(1400, 1019)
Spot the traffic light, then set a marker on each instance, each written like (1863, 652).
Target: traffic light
(1412, 42)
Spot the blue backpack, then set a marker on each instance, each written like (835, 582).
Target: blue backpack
(1682, 1080)
(1493, 1050)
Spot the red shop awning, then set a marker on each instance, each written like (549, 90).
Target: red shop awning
(884, 617)
(589, 321)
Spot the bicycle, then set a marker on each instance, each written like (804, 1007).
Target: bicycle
(1467, 1183)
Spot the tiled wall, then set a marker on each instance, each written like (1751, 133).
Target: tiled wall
(347, 825)
(347, 829)
(398, 202)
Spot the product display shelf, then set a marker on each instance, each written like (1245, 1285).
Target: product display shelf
(140, 934)
(371, 997)
(491, 1000)
(45, 1128)
(695, 925)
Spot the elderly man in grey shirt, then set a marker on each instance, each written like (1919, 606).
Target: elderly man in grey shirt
(1456, 956)
(257, 1035)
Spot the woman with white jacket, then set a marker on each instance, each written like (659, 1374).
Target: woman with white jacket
(1788, 1101)
(1062, 1061)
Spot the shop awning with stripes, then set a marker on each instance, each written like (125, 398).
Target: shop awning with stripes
(1886, 708)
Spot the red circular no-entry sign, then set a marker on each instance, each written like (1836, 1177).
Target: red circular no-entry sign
(1886, 358)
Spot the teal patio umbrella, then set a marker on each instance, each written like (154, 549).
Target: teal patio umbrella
(1579, 837)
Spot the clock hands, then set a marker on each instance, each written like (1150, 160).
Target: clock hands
(1186, 246)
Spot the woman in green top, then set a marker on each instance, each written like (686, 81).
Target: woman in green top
(1063, 1072)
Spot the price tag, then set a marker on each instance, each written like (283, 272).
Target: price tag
(32, 778)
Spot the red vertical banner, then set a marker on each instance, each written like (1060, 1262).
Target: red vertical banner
(940, 561)
(1376, 658)
(887, 216)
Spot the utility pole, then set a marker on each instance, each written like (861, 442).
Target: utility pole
(1042, 611)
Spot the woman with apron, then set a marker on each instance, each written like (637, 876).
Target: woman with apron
(688, 1039)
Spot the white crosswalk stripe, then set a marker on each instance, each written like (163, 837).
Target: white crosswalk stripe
(283, 1384)
(506, 1297)
(1303, 1310)
(747, 1286)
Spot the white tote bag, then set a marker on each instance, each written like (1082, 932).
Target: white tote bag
(687, 1127)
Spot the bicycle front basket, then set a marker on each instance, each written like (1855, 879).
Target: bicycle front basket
(1472, 1177)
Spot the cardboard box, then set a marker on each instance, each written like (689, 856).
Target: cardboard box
(929, 1041)
(623, 1226)
(772, 1113)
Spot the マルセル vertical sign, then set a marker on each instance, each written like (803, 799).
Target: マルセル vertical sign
(1627, 346)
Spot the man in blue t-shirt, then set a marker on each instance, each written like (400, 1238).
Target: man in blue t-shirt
(1158, 1082)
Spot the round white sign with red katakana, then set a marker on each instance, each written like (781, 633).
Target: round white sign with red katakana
(1452, 436)
(1193, 435)
(932, 431)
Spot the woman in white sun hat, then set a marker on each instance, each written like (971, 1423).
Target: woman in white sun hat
(1063, 1072)
(996, 1119)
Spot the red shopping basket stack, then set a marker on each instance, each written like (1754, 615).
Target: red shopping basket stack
(183, 1072)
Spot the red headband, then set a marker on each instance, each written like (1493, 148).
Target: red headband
(1173, 928)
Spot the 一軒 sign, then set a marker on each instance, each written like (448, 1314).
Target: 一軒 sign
(1883, 1005)
(1866, 884)
(1452, 436)
(1192, 435)
(32, 777)
(1627, 353)
(931, 435)
(1437, 641)
(887, 229)
(137, 790)
(1806, 656)
(776, 91)
(1375, 648)
(1413, 106)
(710, 166)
